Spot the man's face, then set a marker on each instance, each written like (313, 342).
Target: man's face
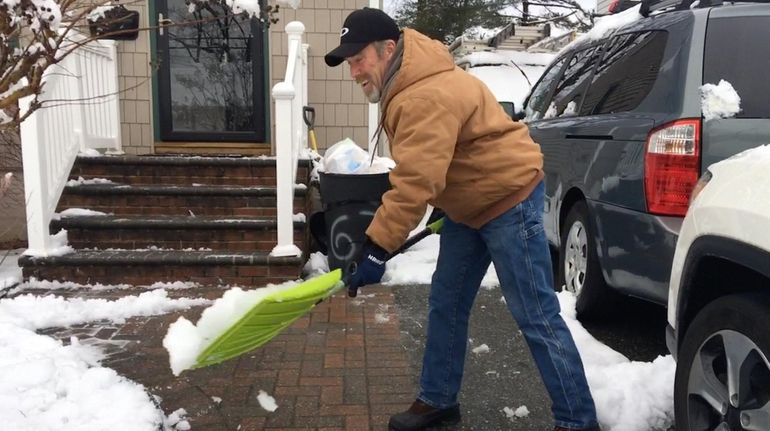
(368, 69)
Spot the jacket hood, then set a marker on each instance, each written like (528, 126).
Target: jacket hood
(423, 57)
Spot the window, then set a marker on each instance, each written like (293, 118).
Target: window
(626, 73)
(574, 80)
(538, 97)
(742, 59)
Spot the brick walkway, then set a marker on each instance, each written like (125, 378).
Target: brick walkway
(342, 367)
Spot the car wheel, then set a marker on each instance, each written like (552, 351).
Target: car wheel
(723, 374)
(579, 268)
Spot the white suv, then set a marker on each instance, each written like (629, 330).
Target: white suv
(719, 299)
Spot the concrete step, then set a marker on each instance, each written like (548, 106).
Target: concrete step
(145, 267)
(126, 199)
(181, 170)
(174, 232)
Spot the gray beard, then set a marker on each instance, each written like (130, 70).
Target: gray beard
(374, 96)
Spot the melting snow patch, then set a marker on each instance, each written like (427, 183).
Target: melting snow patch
(178, 420)
(481, 349)
(520, 412)
(266, 401)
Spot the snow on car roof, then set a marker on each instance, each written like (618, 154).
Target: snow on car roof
(521, 58)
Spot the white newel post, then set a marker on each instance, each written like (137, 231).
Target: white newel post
(288, 116)
(35, 184)
(115, 106)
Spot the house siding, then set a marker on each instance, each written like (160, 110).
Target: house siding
(341, 109)
(135, 84)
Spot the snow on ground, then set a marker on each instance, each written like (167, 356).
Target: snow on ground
(44, 384)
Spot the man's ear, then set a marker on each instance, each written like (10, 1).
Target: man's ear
(390, 47)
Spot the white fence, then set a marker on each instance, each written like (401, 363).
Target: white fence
(81, 111)
(290, 138)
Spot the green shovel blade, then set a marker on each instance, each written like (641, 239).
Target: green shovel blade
(269, 317)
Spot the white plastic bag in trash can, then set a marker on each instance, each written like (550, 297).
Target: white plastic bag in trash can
(345, 157)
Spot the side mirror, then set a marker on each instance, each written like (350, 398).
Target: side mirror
(509, 109)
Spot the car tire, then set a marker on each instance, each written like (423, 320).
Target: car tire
(579, 268)
(740, 321)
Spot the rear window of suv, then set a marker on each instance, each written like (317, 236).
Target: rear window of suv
(737, 50)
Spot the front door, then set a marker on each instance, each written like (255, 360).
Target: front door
(211, 74)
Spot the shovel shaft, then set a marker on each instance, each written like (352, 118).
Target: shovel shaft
(432, 228)
(313, 143)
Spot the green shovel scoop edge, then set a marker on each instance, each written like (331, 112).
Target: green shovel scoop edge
(306, 294)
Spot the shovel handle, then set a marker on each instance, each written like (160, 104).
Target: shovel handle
(308, 115)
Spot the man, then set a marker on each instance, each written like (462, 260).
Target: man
(455, 148)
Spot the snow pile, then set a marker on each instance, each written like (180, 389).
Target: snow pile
(185, 341)
(48, 386)
(81, 181)
(45, 385)
(719, 101)
(58, 247)
(606, 25)
(76, 212)
(629, 395)
(346, 157)
(37, 312)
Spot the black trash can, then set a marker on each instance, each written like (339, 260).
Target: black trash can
(349, 202)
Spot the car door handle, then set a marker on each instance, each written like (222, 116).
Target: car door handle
(591, 137)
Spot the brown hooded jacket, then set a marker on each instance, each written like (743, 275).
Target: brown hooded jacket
(453, 145)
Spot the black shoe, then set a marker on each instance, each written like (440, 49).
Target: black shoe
(422, 416)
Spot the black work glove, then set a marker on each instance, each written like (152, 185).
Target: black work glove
(367, 269)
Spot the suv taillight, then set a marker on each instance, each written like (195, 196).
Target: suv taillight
(671, 166)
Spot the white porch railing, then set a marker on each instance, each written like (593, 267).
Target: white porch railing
(290, 138)
(82, 112)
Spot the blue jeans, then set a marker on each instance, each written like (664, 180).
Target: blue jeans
(516, 244)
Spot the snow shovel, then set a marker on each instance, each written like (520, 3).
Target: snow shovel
(280, 309)
(308, 115)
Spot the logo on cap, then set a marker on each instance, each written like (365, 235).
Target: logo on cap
(344, 31)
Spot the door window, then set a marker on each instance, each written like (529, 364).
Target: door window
(536, 102)
(211, 83)
(571, 87)
(626, 73)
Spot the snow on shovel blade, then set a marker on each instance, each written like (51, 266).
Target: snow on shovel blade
(269, 317)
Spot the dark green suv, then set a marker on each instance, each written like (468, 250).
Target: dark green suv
(620, 121)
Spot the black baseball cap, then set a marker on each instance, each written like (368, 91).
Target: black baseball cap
(362, 27)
